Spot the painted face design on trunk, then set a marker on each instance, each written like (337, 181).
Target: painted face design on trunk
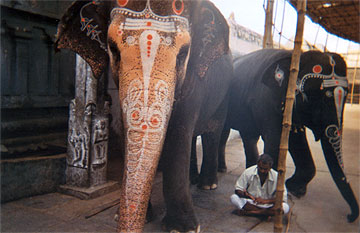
(148, 44)
(147, 69)
(332, 132)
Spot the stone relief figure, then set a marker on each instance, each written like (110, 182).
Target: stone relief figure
(80, 150)
(100, 138)
(78, 138)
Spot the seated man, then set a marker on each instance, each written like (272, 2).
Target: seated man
(255, 189)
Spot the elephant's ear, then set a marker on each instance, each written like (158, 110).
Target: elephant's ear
(210, 36)
(276, 76)
(83, 29)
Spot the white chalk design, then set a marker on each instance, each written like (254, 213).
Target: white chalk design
(149, 20)
(145, 121)
(333, 134)
(331, 80)
(279, 75)
(145, 112)
(339, 98)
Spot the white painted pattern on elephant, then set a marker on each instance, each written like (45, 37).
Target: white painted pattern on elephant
(279, 75)
(333, 134)
(87, 24)
(147, 18)
(339, 98)
(145, 119)
(331, 80)
(145, 112)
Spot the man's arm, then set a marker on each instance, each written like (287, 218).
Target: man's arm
(259, 200)
(244, 194)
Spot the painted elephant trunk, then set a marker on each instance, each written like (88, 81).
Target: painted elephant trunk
(146, 121)
(331, 144)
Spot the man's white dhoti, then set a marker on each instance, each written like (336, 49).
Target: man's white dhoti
(240, 202)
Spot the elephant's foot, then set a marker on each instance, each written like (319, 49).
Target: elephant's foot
(174, 225)
(208, 187)
(149, 214)
(207, 182)
(296, 189)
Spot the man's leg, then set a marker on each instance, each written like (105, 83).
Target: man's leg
(245, 205)
(285, 207)
(248, 207)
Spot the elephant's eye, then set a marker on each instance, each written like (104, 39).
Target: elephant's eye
(183, 53)
(328, 94)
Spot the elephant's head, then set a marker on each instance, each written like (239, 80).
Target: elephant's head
(322, 88)
(148, 44)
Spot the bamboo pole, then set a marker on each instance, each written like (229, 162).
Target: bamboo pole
(287, 116)
(268, 41)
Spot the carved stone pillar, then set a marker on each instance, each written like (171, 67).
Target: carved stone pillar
(88, 137)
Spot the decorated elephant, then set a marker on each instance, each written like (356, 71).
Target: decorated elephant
(172, 64)
(256, 109)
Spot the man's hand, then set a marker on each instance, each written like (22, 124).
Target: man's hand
(264, 201)
(249, 196)
(244, 194)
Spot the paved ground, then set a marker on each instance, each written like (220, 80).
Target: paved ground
(321, 210)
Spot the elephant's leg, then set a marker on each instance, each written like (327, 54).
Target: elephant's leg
(304, 164)
(251, 150)
(180, 215)
(221, 157)
(194, 174)
(149, 214)
(271, 139)
(208, 174)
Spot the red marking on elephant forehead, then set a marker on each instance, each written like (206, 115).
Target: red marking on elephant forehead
(122, 2)
(148, 24)
(149, 37)
(144, 127)
(317, 69)
(177, 10)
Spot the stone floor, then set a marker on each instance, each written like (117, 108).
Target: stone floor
(321, 210)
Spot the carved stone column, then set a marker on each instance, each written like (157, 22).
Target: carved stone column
(88, 137)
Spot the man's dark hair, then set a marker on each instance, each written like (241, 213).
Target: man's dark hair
(266, 159)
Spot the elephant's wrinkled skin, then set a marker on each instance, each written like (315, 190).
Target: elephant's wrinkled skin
(257, 101)
(171, 62)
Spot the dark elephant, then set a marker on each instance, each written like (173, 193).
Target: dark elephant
(172, 64)
(256, 107)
